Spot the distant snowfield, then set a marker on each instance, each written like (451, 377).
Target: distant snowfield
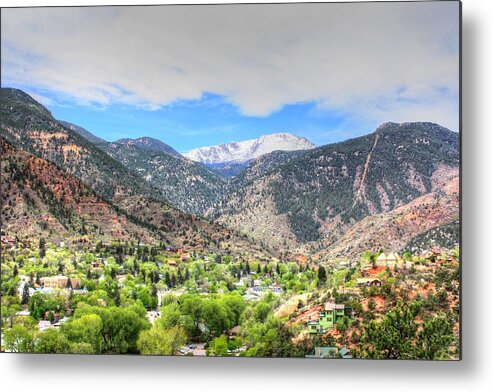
(239, 152)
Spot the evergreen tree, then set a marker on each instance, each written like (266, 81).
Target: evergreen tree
(117, 296)
(99, 246)
(42, 247)
(167, 279)
(25, 295)
(322, 275)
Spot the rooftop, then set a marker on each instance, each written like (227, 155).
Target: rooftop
(332, 306)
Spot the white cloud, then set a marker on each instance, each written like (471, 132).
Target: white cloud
(385, 61)
(46, 101)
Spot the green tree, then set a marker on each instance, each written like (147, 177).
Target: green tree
(52, 341)
(86, 329)
(215, 317)
(18, 339)
(160, 341)
(42, 248)
(10, 307)
(218, 347)
(434, 339)
(121, 326)
(322, 276)
(170, 316)
(343, 324)
(25, 295)
(393, 336)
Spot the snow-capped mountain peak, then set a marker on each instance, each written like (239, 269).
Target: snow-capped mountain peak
(247, 150)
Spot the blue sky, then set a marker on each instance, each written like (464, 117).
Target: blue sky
(208, 121)
(196, 76)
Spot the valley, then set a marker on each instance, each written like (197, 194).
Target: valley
(243, 248)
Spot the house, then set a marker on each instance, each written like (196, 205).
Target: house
(120, 278)
(55, 317)
(59, 282)
(345, 353)
(328, 318)
(275, 289)
(389, 260)
(44, 325)
(330, 353)
(256, 290)
(174, 249)
(235, 331)
(344, 264)
(381, 260)
(8, 240)
(252, 297)
(323, 353)
(450, 259)
(240, 284)
(430, 254)
(368, 282)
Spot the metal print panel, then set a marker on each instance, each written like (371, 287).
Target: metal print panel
(265, 180)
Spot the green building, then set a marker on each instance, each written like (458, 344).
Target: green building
(328, 318)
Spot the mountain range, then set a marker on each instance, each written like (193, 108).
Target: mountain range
(241, 152)
(230, 159)
(29, 128)
(314, 199)
(395, 188)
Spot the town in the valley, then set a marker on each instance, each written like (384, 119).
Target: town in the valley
(124, 297)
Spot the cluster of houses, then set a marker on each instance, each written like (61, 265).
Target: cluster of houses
(257, 290)
(328, 318)
(60, 281)
(50, 284)
(434, 256)
(50, 319)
